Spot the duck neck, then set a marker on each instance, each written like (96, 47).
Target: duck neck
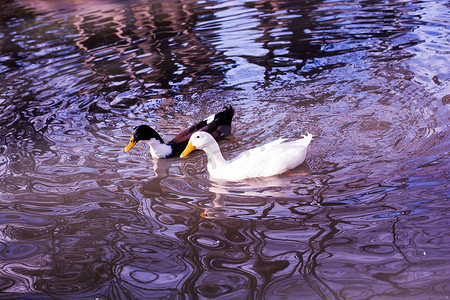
(159, 149)
(215, 158)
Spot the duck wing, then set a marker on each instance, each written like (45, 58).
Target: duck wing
(260, 151)
(269, 159)
(218, 125)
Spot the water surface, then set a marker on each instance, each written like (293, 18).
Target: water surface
(365, 217)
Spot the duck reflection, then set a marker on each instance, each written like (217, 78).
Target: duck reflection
(262, 187)
(233, 241)
(152, 188)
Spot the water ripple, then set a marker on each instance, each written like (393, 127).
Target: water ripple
(364, 217)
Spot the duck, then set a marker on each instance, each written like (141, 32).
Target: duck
(270, 159)
(217, 125)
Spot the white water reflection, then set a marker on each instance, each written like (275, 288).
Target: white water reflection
(235, 33)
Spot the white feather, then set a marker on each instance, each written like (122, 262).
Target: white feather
(158, 149)
(209, 119)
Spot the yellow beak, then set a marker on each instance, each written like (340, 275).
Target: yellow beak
(189, 148)
(130, 144)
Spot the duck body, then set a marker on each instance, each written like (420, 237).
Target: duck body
(267, 160)
(217, 125)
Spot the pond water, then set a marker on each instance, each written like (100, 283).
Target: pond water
(365, 217)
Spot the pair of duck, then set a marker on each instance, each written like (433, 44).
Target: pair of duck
(269, 159)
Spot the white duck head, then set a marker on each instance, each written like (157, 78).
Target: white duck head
(200, 140)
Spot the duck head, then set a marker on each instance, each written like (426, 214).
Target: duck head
(142, 133)
(199, 140)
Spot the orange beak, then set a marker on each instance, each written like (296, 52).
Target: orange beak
(189, 148)
(130, 144)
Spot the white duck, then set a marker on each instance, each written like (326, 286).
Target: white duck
(269, 159)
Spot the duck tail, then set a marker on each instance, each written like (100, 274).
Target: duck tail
(307, 138)
(226, 116)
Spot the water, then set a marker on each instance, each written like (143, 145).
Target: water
(366, 217)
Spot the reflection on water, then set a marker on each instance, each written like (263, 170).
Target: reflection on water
(364, 217)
